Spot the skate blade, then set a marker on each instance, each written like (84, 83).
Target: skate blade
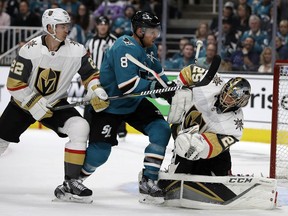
(73, 198)
(147, 199)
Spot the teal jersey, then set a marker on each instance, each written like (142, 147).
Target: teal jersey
(120, 76)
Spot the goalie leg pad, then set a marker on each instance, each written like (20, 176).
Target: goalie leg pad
(218, 192)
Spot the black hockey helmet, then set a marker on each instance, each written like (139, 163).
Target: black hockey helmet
(234, 94)
(144, 19)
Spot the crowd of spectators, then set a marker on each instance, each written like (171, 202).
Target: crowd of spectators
(28, 13)
(246, 37)
(246, 28)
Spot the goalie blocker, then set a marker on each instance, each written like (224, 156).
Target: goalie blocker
(218, 192)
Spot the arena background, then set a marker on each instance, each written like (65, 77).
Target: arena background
(257, 113)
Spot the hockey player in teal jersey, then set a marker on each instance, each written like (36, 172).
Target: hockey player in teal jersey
(119, 76)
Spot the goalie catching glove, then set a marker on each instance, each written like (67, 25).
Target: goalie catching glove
(191, 74)
(166, 95)
(191, 145)
(36, 105)
(97, 96)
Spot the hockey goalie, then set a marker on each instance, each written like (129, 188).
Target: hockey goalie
(206, 121)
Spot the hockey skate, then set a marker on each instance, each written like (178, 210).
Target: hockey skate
(149, 191)
(73, 191)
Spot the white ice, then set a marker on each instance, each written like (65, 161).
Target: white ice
(31, 169)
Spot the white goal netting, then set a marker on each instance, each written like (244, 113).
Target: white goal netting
(280, 139)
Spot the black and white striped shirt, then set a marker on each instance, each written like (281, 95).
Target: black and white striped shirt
(97, 46)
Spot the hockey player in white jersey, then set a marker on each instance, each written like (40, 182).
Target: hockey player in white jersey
(206, 122)
(39, 78)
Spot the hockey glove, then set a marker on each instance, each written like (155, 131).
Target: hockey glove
(191, 145)
(166, 95)
(36, 105)
(97, 96)
(192, 74)
(181, 103)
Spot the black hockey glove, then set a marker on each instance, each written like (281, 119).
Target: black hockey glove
(166, 95)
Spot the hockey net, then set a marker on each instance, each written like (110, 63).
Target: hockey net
(279, 125)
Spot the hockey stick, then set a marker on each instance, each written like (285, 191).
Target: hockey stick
(205, 81)
(143, 93)
(139, 64)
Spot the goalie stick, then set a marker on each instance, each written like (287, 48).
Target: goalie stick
(205, 81)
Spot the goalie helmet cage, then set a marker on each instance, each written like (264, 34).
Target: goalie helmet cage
(279, 124)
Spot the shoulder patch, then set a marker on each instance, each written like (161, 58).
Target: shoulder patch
(217, 80)
(239, 124)
(74, 43)
(151, 56)
(127, 41)
(31, 44)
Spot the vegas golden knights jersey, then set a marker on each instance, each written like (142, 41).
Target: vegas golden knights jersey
(204, 113)
(49, 73)
(220, 130)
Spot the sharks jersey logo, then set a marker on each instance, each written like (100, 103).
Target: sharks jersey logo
(127, 41)
(47, 81)
(151, 56)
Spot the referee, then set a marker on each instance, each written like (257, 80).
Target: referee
(102, 40)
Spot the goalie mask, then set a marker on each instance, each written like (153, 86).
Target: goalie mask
(53, 17)
(234, 94)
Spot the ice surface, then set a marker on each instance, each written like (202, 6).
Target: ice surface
(31, 169)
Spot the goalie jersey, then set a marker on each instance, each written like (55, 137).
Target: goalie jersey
(120, 76)
(220, 130)
(31, 71)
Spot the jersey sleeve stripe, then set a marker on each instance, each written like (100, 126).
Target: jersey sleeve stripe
(210, 145)
(128, 86)
(14, 85)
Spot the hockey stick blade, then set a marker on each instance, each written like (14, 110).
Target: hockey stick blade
(205, 81)
(210, 73)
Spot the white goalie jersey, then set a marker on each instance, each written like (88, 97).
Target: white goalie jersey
(197, 107)
(49, 73)
(203, 102)
(197, 118)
